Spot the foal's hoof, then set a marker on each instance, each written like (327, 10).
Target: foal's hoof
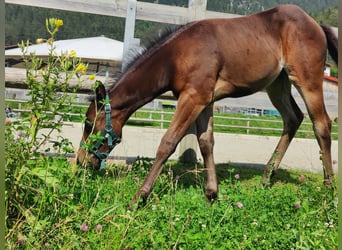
(329, 182)
(267, 180)
(265, 183)
(133, 205)
(136, 204)
(139, 200)
(211, 195)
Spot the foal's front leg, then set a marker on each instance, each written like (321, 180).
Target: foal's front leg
(186, 113)
(204, 124)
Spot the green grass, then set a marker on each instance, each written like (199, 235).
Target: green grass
(82, 209)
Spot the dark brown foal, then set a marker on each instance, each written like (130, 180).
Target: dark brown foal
(208, 60)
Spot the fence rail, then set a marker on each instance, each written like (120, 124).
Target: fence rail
(162, 119)
(248, 121)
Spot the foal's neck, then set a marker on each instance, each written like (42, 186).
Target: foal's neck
(144, 81)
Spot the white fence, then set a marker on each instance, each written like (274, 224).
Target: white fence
(144, 11)
(161, 119)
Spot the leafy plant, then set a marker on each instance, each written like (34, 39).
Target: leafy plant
(32, 177)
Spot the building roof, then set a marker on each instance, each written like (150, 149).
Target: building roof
(98, 48)
(331, 79)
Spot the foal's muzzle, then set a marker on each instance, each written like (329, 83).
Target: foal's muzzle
(107, 135)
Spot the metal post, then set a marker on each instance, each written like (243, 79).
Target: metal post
(248, 125)
(188, 145)
(196, 10)
(130, 43)
(162, 121)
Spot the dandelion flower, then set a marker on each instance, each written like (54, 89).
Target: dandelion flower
(73, 53)
(81, 68)
(58, 22)
(91, 77)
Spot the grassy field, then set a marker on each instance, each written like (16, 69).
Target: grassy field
(53, 204)
(65, 207)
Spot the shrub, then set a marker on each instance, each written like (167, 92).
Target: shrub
(32, 177)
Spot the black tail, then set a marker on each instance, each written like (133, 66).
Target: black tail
(332, 42)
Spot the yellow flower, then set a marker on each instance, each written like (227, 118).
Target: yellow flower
(73, 53)
(91, 77)
(81, 68)
(58, 22)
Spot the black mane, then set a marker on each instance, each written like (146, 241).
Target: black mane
(159, 36)
(148, 43)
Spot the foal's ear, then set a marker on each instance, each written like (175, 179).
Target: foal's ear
(100, 91)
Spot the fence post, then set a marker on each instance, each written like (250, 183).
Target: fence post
(19, 107)
(196, 10)
(248, 125)
(188, 145)
(129, 41)
(162, 121)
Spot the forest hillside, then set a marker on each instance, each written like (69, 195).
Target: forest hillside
(27, 23)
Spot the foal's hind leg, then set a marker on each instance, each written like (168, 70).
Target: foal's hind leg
(280, 95)
(314, 101)
(204, 124)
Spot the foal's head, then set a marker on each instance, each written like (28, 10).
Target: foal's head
(99, 137)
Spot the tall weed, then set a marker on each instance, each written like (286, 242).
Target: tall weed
(33, 179)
